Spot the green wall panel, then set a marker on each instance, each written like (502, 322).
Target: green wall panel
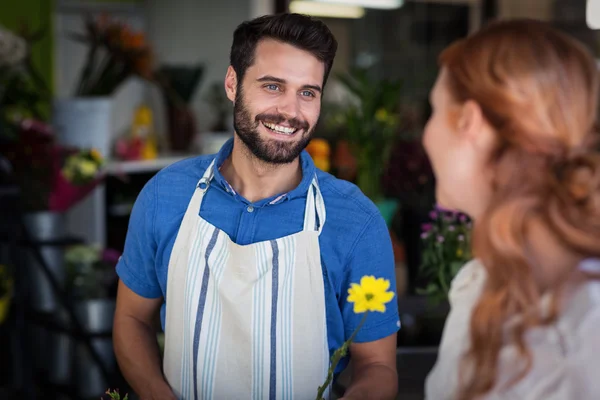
(36, 14)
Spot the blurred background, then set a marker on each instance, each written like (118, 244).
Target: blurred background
(97, 96)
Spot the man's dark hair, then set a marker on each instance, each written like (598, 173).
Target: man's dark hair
(301, 31)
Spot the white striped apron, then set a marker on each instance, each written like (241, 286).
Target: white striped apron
(246, 322)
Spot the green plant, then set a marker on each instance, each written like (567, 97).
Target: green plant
(371, 125)
(446, 248)
(23, 92)
(115, 395)
(91, 272)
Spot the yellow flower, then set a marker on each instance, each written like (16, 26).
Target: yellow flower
(370, 295)
(96, 155)
(87, 168)
(381, 115)
(459, 253)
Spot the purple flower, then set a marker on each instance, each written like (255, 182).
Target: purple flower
(111, 256)
(462, 218)
(424, 235)
(426, 227)
(433, 214)
(461, 238)
(451, 228)
(440, 239)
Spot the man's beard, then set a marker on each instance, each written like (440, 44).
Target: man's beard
(268, 151)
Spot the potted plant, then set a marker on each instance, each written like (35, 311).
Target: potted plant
(371, 126)
(115, 53)
(446, 240)
(92, 285)
(446, 248)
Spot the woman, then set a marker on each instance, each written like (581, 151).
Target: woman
(511, 139)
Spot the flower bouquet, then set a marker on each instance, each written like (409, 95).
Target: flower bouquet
(51, 177)
(447, 247)
(115, 53)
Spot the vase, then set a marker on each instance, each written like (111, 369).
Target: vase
(84, 122)
(181, 124)
(96, 317)
(45, 229)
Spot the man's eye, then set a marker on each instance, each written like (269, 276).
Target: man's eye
(272, 87)
(307, 93)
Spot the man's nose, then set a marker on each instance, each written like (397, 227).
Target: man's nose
(288, 105)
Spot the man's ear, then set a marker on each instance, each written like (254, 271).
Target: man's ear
(231, 83)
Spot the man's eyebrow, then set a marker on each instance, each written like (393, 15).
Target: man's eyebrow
(269, 78)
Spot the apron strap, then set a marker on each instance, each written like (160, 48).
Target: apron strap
(314, 214)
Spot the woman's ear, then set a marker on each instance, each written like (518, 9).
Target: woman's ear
(473, 126)
(231, 83)
(470, 119)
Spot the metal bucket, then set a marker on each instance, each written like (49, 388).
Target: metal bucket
(96, 316)
(44, 226)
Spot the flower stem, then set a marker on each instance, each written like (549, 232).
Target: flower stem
(337, 356)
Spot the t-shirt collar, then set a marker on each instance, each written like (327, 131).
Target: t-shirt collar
(308, 173)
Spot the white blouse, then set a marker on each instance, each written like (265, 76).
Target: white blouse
(565, 355)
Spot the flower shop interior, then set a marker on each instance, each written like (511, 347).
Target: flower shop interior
(97, 96)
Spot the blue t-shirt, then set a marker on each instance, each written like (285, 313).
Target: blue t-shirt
(354, 242)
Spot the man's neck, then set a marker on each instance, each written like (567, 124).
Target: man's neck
(256, 180)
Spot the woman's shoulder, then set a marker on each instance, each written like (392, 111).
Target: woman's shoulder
(468, 282)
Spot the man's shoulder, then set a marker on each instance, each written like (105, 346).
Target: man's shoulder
(188, 168)
(174, 184)
(346, 204)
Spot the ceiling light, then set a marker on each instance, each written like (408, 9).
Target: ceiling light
(592, 14)
(320, 9)
(381, 4)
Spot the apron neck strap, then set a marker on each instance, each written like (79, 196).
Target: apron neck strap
(204, 182)
(314, 213)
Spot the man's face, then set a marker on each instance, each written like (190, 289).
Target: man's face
(277, 104)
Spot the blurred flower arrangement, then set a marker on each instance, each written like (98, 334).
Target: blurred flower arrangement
(23, 93)
(50, 177)
(370, 124)
(320, 152)
(371, 295)
(116, 53)
(91, 272)
(446, 248)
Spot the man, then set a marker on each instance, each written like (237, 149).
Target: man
(249, 253)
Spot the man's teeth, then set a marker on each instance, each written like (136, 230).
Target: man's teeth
(280, 129)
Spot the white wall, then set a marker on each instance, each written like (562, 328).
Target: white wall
(192, 31)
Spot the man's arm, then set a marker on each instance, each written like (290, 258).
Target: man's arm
(135, 345)
(374, 373)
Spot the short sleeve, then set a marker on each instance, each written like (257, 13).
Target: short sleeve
(372, 254)
(136, 268)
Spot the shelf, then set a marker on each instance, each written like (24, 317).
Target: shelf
(117, 167)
